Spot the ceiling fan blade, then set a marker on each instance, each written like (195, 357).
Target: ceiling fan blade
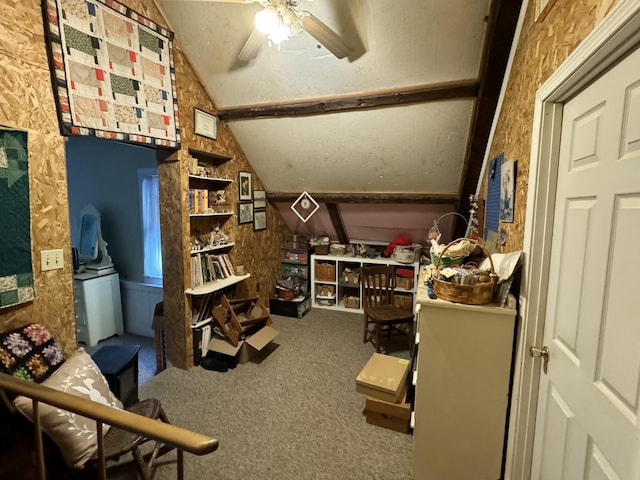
(325, 36)
(252, 46)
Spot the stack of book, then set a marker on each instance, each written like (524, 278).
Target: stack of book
(209, 267)
(198, 200)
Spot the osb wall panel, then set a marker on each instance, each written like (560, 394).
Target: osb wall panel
(26, 102)
(543, 46)
(259, 252)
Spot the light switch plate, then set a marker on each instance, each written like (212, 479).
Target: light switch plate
(51, 259)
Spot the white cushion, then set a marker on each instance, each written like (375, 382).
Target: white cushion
(74, 434)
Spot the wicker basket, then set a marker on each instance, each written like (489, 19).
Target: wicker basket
(321, 249)
(478, 294)
(285, 293)
(326, 272)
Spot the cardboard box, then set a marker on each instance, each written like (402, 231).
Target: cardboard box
(252, 349)
(258, 346)
(383, 377)
(394, 416)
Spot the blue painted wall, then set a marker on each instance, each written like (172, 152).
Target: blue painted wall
(104, 173)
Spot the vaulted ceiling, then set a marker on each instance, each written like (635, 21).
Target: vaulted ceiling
(397, 128)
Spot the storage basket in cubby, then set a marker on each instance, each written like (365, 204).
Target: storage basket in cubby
(351, 302)
(326, 272)
(404, 302)
(328, 291)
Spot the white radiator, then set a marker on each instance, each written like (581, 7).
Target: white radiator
(138, 303)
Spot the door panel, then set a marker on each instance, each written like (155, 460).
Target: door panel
(587, 424)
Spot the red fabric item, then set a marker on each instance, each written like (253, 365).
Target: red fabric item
(404, 272)
(402, 241)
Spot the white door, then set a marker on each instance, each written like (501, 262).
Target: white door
(587, 423)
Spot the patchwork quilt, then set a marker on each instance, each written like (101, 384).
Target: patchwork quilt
(113, 72)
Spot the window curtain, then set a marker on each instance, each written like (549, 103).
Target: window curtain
(151, 227)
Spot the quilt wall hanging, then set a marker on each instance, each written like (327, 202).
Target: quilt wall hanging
(16, 270)
(112, 71)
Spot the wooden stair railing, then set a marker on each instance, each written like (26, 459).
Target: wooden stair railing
(181, 439)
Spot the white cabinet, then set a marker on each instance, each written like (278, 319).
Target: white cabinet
(332, 288)
(462, 389)
(98, 306)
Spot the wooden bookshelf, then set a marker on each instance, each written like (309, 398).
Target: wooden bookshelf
(218, 285)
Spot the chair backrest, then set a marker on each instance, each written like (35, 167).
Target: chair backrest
(378, 284)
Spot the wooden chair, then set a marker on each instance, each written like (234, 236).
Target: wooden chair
(118, 442)
(380, 310)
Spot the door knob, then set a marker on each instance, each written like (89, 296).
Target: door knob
(543, 352)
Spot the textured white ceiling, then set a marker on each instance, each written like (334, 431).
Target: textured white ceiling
(408, 42)
(412, 149)
(398, 43)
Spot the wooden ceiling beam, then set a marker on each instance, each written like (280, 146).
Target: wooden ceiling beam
(338, 225)
(503, 19)
(343, 103)
(328, 197)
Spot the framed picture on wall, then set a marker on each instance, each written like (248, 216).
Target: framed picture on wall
(507, 179)
(205, 124)
(245, 213)
(244, 185)
(260, 220)
(259, 199)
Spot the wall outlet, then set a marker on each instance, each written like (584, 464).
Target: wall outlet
(51, 259)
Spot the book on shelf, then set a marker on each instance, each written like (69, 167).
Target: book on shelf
(218, 267)
(208, 267)
(201, 308)
(198, 199)
(201, 335)
(223, 266)
(227, 261)
(206, 338)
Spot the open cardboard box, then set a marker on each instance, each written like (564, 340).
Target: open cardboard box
(394, 416)
(254, 348)
(384, 377)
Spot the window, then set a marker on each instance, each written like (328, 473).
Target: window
(150, 213)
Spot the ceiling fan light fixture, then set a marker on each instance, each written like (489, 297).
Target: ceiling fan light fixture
(278, 23)
(266, 20)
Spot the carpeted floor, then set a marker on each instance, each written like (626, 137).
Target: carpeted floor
(296, 415)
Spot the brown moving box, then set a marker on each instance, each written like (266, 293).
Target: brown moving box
(383, 377)
(394, 416)
(253, 349)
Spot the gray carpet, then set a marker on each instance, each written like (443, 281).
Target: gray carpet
(294, 416)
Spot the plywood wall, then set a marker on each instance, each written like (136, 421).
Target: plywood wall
(26, 102)
(542, 48)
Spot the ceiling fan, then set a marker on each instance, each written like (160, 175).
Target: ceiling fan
(280, 20)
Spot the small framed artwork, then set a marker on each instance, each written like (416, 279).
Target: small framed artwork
(507, 191)
(260, 220)
(244, 184)
(205, 124)
(259, 199)
(245, 213)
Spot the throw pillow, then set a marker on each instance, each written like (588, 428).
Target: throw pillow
(75, 435)
(30, 353)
